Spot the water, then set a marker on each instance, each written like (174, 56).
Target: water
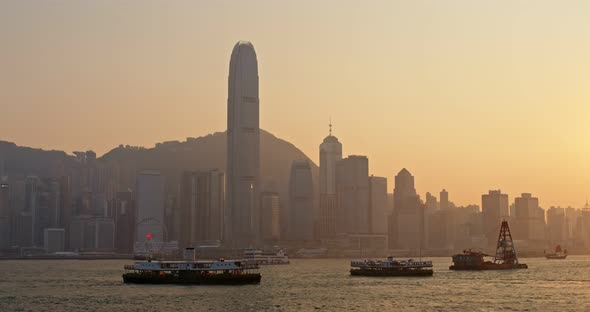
(304, 285)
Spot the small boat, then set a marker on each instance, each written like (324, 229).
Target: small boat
(259, 257)
(220, 272)
(391, 267)
(505, 258)
(557, 255)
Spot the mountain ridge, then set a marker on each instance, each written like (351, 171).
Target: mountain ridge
(170, 158)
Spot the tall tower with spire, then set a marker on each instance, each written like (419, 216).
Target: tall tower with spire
(330, 154)
(243, 148)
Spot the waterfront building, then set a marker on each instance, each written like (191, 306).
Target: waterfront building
(494, 206)
(301, 210)
(202, 196)
(270, 213)
(378, 209)
(557, 226)
(90, 233)
(352, 188)
(330, 154)
(5, 217)
(243, 147)
(407, 231)
(124, 217)
(150, 207)
(529, 219)
(54, 240)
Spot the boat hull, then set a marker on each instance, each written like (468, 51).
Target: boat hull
(489, 266)
(556, 257)
(265, 262)
(192, 279)
(390, 273)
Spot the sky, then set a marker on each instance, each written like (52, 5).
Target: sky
(467, 95)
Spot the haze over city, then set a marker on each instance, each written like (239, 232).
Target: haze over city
(263, 155)
(469, 96)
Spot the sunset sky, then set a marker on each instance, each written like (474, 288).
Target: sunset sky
(467, 95)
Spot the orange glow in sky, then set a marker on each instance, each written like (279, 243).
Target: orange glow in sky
(467, 95)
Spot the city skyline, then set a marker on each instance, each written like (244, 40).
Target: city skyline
(428, 124)
(304, 155)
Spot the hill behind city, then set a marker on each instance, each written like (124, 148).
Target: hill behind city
(170, 158)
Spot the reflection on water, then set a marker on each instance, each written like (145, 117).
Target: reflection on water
(310, 284)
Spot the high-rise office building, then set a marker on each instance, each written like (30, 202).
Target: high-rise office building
(4, 199)
(124, 215)
(105, 234)
(150, 207)
(378, 210)
(92, 233)
(444, 199)
(352, 188)
(270, 213)
(17, 204)
(201, 207)
(529, 218)
(28, 226)
(5, 217)
(330, 154)
(243, 147)
(494, 207)
(407, 231)
(66, 209)
(300, 201)
(54, 240)
(557, 226)
(431, 203)
(437, 229)
(47, 208)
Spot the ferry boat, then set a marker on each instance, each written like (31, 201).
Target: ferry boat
(260, 257)
(391, 267)
(220, 272)
(505, 258)
(557, 255)
(311, 252)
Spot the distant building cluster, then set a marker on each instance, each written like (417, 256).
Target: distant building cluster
(346, 211)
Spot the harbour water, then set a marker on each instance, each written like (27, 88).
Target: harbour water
(304, 285)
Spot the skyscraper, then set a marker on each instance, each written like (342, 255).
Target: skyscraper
(378, 209)
(5, 217)
(557, 226)
(270, 213)
(408, 215)
(330, 154)
(243, 146)
(494, 207)
(431, 203)
(201, 205)
(352, 187)
(124, 213)
(300, 201)
(150, 208)
(444, 199)
(529, 218)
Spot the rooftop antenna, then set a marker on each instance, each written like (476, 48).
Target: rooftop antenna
(330, 125)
